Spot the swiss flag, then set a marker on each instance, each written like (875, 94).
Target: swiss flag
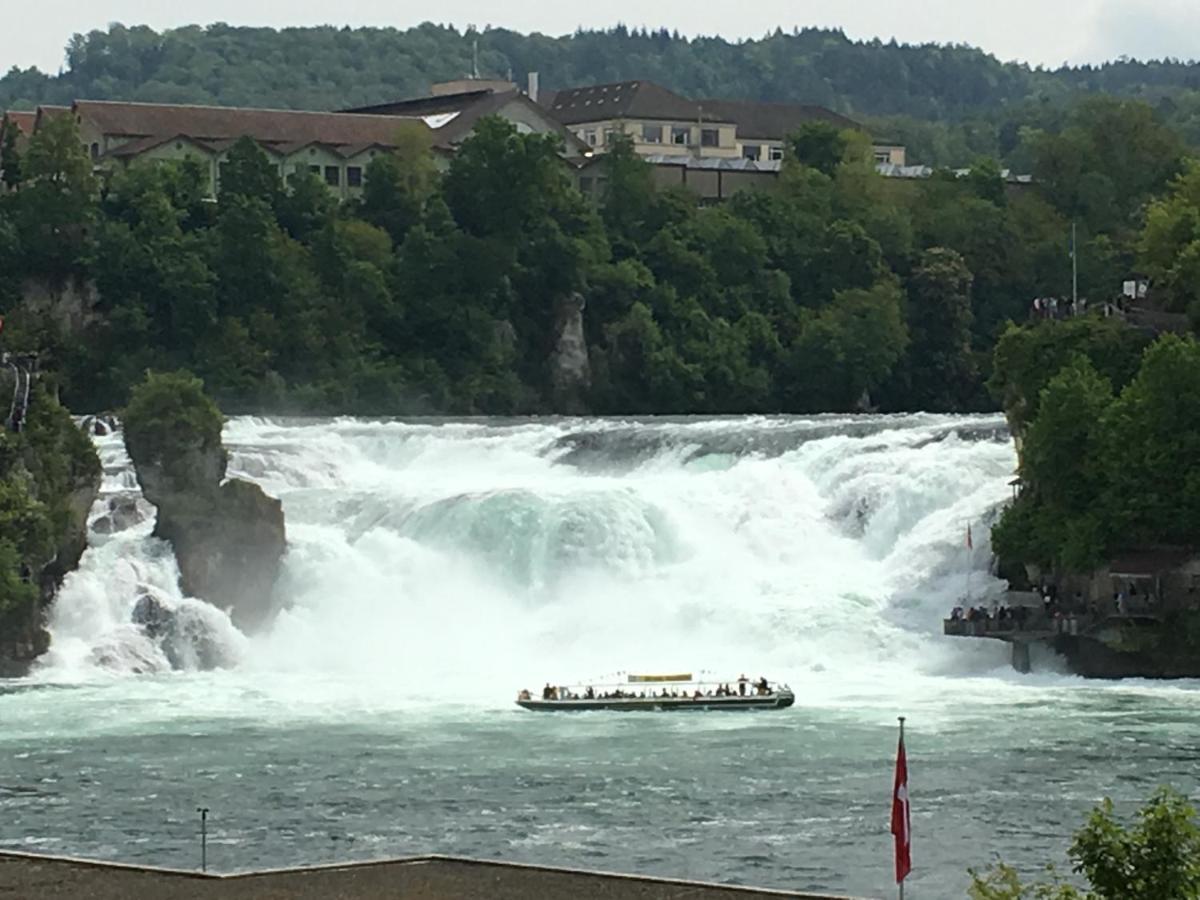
(901, 827)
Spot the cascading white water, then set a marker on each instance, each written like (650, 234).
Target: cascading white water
(433, 569)
(485, 555)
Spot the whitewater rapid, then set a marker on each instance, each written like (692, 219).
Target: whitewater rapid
(476, 557)
(436, 567)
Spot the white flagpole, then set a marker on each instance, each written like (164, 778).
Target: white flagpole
(900, 886)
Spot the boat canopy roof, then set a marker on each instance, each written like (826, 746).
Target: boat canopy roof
(647, 679)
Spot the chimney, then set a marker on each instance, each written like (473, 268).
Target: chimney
(533, 86)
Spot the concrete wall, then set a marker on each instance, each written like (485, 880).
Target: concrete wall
(713, 185)
(417, 878)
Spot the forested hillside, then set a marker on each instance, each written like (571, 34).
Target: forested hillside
(444, 292)
(979, 104)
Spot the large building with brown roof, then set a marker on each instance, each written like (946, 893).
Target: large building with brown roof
(665, 124)
(335, 146)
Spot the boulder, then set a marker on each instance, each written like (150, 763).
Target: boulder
(228, 536)
(229, 544)
(123, 513)
(187, 638)
(154, 618)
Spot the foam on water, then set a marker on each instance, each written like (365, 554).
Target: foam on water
(482, 556)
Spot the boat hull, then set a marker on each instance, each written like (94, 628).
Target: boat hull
(780, 700)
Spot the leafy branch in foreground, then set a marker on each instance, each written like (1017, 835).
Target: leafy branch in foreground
(1157, 856)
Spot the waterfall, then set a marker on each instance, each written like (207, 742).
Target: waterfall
(479, 555)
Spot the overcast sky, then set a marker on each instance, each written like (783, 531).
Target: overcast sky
(1047, 32)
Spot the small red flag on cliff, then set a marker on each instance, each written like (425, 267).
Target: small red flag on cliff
(970, 546)
(901, 828)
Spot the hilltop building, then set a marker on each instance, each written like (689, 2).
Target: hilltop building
(335, 146)
(714, 148)
(663, 124)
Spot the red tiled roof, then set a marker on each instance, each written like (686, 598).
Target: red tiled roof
(216, 123)
(467, 108)
(625, 100)
(773, 121)
(22, 119)
(647, 100)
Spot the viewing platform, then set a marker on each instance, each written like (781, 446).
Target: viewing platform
(1027, 622)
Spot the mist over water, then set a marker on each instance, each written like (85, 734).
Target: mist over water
(435, 568)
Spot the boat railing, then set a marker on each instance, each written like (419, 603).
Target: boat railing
(625, 690)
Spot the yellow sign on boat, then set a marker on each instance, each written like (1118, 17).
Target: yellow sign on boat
(643, 679)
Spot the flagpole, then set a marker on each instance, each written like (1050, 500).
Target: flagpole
(900, 884)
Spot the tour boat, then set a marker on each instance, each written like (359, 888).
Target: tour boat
(660, 693)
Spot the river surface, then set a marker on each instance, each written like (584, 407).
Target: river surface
(436, 567)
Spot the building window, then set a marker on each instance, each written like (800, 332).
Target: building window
(353, 176)
(333, 176)
(775, 153)
(608, 135)
(589, 137)
(315, 170)
(652, 134)
(680, 134)
(752, 151)
(95, 151)
(883, 156)
(710, 137)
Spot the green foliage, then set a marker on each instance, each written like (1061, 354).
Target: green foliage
(1158, 855)
(1102, 473)
(1027, 357)
(399, 183)
(941, 372)
(446, 291)
(40, 468)
(169, 416)
(820, 146)
(1060, 519)
(247, 172)
(1153, 428)
(10, 158)
(17, 594)
(56, 205)
(1170, 242)
(225, 64)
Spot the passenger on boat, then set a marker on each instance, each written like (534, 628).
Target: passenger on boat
(547, 692)
(524, 695)
(763, 687)
(742, 682)
(589, 694)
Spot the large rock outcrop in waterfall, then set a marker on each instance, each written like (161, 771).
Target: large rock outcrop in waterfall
(49, 479)
(228, 536)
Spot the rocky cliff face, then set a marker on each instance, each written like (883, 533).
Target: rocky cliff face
(69, 302)
(49, 477)
(228, 536)
(570, 368)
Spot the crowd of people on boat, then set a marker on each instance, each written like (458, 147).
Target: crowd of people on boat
(741, 688)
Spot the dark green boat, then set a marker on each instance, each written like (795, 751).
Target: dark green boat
(666, 693)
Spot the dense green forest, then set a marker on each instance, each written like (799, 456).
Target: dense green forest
(950, 104)
(439, 292)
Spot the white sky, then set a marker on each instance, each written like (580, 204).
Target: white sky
(1047, 32)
